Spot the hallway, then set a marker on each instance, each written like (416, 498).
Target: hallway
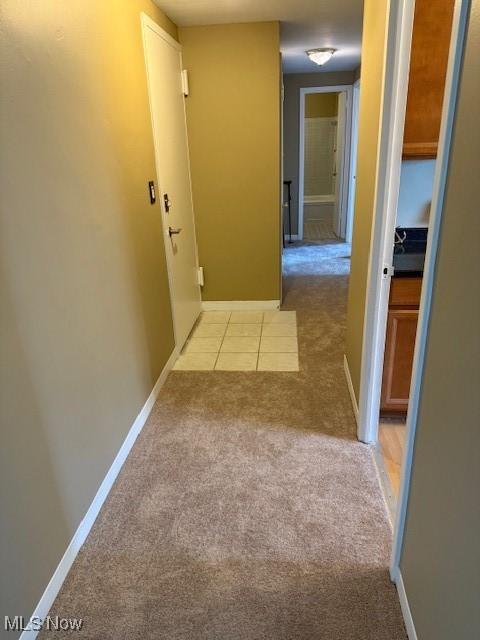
(247, 508)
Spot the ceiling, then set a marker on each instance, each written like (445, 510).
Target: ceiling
(305, 24)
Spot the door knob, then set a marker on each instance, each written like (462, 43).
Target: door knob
(173, 232)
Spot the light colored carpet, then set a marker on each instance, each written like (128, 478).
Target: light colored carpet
(247, 510)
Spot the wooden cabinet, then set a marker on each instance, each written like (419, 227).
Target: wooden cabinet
(428, 66)
(400, 344)
(405, 292)
(398, 361)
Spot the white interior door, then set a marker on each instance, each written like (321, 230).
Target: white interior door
(164, 66)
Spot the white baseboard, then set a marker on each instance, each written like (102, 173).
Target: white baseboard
(53, 587)
(377, 456)
(294, 237)
(350, 388)
(240, 305)
(407, 614)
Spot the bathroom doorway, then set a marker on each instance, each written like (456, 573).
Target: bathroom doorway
(325, 162)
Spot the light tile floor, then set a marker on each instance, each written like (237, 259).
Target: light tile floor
(242, 341)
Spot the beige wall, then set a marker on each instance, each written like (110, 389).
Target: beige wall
(440, 563)
(293, 82)
(85, 317)
(375, 22)
(234, 136)
(321, 105)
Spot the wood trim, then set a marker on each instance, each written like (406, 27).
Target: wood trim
(420, 150)
(405, 292)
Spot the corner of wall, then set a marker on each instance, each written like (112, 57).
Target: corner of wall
(374, 41)
(234, 140)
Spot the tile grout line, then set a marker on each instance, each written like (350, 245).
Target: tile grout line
(221, 342)
(260, 341)
(245, 353)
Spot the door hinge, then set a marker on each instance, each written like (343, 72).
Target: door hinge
(185, 82)
(200, 276)
(387, 271)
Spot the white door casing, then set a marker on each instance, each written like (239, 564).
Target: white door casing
(167, 108)
(340, 89)
(353, 163)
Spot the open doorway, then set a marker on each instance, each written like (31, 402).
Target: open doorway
(395, 302)
(325, 163)
(319, 160)
(321, 135)
(431, 33)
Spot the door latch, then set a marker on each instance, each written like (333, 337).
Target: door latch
(387, 270)
(166, 202)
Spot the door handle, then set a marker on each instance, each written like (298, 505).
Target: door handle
(173, 232)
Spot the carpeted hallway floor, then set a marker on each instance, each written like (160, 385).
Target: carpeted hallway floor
(247, 510)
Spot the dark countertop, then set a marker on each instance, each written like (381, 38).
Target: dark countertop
(409, 255)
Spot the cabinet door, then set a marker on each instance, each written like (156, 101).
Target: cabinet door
(397, 367)
(432, 28)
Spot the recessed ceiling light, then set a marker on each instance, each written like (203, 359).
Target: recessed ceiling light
(320, 56)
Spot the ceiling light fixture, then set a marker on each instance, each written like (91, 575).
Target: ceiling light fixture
(320, 56)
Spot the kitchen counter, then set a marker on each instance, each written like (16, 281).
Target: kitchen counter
(409, 254)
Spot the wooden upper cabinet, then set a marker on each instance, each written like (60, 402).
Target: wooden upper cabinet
(432, 29)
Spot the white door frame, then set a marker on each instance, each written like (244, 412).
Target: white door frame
(353, 161)
(147, 23)
(343, 88)
(341, 185)
(381, 255)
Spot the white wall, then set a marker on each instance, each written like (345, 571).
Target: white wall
(416, 183)
(320, 134)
